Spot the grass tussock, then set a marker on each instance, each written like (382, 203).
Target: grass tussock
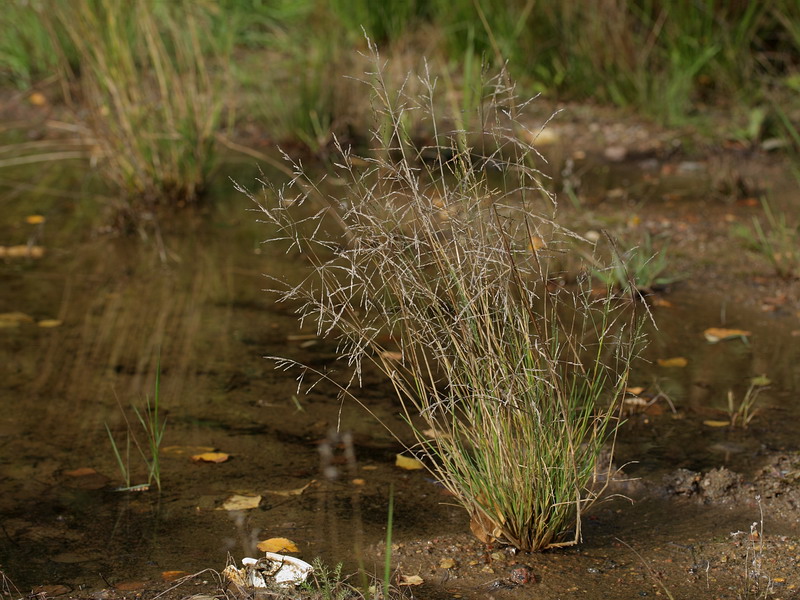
(151, 81)
(442, 279)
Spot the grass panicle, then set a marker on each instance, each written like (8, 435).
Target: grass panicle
(442, 279)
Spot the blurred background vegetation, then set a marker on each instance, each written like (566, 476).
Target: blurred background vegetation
(287, 68)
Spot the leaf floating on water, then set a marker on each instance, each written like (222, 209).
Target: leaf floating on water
(81, 472)
(211, 457)
(411, 580)
(676, 361)
(714, 423)
(278, 545)
(23, 251)
(49, 323)
(294, 492)
(408, 463)
(13, 319)
(760, 381)
(237, 502)
(183, 450)
(718, 334)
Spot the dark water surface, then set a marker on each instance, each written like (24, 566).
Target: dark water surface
(203, 317)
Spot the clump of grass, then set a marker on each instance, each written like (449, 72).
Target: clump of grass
(153, 427)
(152, 84)
(642, 268)
(511, 386)
(742, 412)
(777, 241)
(25, 48)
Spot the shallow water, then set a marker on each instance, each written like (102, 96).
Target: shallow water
(203, 318)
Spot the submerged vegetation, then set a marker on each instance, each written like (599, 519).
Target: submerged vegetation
(442, 281)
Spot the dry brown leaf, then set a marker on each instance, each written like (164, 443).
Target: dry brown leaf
(129, 586)
(277, 545)
(43, 591)
(294, 492)
(173, 575)
(81, 472)
(675, 361)
(358, 481)
(211, 457)
(408, 463)
(662, 302)
(237, 502)
(447, 563)
(715, 423)
(411, 580)
(717, 334)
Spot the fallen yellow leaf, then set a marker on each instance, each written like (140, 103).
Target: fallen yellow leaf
(37, 99)
(237, 502)
(181, 450)
(536, 244)
(23, 251)
(212, 457)
(294, 492)
(13, 319)
(278, 545)
(676, 361)
(411, 580)
(408, 463)
(49, 323)
(717, 334)
(714, 423)
(34, 219)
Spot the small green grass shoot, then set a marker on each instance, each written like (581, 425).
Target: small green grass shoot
(153, 427)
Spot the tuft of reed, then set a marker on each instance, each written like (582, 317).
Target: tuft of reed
(511, 385)
(152, 84)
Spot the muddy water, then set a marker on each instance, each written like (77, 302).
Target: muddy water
(202, 319)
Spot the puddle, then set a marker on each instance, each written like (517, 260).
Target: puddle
(204, 318)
